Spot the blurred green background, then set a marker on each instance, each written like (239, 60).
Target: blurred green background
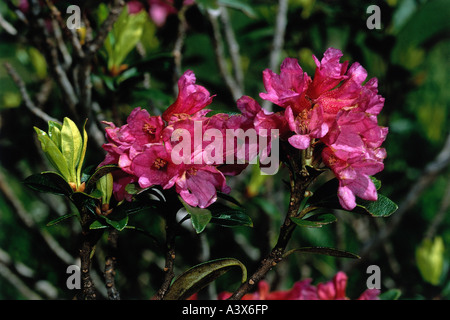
(409, 54)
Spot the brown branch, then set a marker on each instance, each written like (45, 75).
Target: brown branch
(219, 50)
(26, 98)
(179, 42)
(93, 46)
(233, 47)
(169, 258)
(110, 267)
(429, 175)
(299, 183)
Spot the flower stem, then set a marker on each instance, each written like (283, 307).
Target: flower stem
(299, 183)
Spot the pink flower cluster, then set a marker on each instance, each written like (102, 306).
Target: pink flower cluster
(334, 109)
(334, 289)
(143, 148)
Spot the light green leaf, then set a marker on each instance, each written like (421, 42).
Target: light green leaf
(105, 185)
(99, 172)
(53, 154)
(430, 259)
(71, 146)
(83, 154)
(126, 33)
(198, 277)
(54, 132)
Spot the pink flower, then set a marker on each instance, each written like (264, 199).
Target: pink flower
(289, 87)
(145, 128)
(334, 289)
(191, 97)
(198, 185)
(333, 109)
(154, 167)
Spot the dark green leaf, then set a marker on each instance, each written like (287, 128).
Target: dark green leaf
(100, 172)
(392, 294)
(97, 224)
(199, 217)
(382, 207)
(50, 182)
(198, 277)
(315, 221)
(58, 220)
(117, 224)
(229, 198)
(229, 217)
(325, 251)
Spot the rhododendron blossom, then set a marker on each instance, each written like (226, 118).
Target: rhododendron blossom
(336, 110)
(184, 148)
(334, 289)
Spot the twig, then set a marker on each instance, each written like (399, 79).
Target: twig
(231, 83)
(179, 42)
(110, 267)
(56, 15)
(26, 98)
(13, 279)
(89, 240)
(93, 46)
(440, 215)
(233, 47)
(169, 260)
(7, 26)
(429, 175)
(278, 41)
(29, 223)
(298, 188)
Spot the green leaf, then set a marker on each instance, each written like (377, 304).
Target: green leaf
(98, 173)
(392, 294)
(71, 146)
(59, 219)
(325, 251)
(117, 224)
(430, 259)
(229, 217)
(382, 207)
(126, 33)
(199, 217)
(97, 224)
(105, 185)
(239, 5)
(50, 182)
(316, 221)
(198, 277)
(53, 154)
(54, 132)
(83, 153)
